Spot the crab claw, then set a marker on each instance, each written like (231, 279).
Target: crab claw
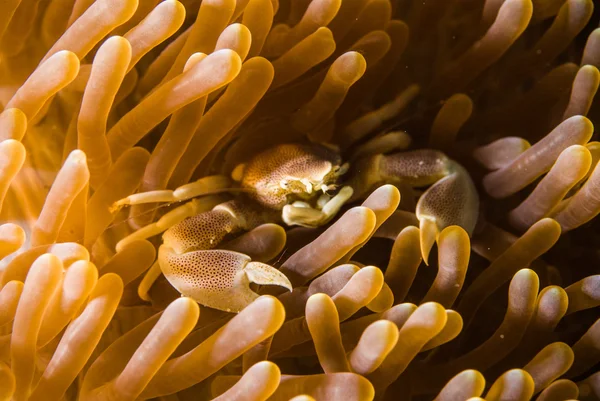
(453, 200)
(217, 278)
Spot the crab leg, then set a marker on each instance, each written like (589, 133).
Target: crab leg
(452, 198)
(204, 186)
(386, 143)
(150, 277)
(373, 121)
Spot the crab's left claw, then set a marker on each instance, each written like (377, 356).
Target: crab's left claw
(217, 278)
(453, 200)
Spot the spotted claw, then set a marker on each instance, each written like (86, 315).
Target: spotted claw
(453, 200)
(217, 278)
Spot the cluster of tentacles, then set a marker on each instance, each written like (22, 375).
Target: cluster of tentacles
(102, 99)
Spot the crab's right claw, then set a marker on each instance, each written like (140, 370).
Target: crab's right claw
(450, 200)
(453, 200)
(217, 278)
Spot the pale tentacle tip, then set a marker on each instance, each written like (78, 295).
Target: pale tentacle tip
(116, 206)
(121, 244)
(238, 172)
(149, 278)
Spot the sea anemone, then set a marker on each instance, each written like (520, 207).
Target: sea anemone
(100, 100)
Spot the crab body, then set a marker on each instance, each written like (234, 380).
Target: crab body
(295, 184)
(279, 174)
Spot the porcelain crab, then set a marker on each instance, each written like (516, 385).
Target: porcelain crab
(295, 184)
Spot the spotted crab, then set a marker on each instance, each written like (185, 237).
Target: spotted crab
(297, 184)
